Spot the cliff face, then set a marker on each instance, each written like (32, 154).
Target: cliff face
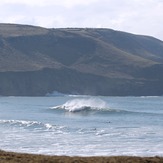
(35, 61)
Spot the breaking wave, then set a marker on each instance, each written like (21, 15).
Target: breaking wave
(77, 105)
(26, 124)
(92, 104)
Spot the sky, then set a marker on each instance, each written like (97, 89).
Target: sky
(143, 17)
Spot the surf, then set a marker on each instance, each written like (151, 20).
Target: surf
(26, 124)
(83, 104)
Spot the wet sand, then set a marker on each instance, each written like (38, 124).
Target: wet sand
(11, 157)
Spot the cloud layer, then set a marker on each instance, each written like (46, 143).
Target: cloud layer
(135, 16)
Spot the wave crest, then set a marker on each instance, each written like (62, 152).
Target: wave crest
(77, 105)
(26, 124)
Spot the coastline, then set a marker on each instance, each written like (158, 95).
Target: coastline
(12, 157)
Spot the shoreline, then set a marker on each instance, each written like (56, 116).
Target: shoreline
(13, 157)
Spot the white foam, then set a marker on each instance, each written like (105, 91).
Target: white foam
(55, 93)
(81, 104)
(24, 124)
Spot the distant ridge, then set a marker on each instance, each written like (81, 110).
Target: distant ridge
(35, 61)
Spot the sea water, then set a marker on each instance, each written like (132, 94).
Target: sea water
(82, 125)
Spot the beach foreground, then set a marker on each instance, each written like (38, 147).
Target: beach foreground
(11, 157)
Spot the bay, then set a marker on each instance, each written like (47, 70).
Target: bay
(82, 125)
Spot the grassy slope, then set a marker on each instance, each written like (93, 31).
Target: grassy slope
(25, 48)
(99, 61)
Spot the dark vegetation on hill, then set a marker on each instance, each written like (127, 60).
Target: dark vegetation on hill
(35, 61)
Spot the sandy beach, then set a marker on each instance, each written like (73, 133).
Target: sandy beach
(11, 157)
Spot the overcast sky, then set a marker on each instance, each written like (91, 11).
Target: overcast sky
(135, 16)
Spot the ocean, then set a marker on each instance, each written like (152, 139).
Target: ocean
(82, 125)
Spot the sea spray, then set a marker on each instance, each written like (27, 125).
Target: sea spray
(81, 104)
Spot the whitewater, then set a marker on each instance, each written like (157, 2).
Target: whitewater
(82, 125)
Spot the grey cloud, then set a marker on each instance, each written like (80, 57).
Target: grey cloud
(136, 16)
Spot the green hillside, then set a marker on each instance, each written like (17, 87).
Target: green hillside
(35, 61)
